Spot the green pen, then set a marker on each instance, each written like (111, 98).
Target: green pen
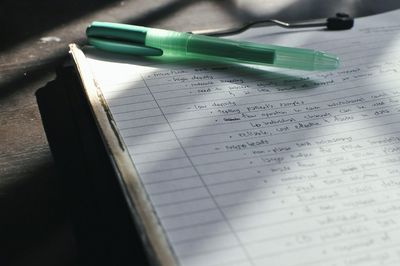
(138, 40)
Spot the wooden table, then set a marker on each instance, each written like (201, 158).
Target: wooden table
(34, 227)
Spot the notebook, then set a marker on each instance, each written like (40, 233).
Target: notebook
(245, 165)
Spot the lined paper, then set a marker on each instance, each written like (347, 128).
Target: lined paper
(250, 165)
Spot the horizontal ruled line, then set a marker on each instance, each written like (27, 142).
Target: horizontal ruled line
(266, 198)
(287, 235)
(297, 121)
(299, 170)
(327, 242)
(223, 207)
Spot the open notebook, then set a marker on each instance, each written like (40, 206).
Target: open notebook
(243, 165)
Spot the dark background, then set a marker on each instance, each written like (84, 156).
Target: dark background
(34, 226)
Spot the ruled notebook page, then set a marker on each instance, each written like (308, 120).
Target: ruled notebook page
(265, 166)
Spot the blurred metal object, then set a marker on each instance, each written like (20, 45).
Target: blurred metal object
(341, 21)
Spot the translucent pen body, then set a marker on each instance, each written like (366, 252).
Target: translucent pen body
(219, 49)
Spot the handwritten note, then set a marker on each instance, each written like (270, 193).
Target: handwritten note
(250, 165)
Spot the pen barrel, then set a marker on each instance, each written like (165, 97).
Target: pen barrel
(220, 49)
(205, 47)
(229, 50)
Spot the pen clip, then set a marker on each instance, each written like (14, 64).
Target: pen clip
(123, 47)
(120, 38)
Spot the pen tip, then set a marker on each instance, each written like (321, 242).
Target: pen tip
(326, 61)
